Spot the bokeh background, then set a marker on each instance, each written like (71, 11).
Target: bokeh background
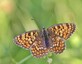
(19, 16)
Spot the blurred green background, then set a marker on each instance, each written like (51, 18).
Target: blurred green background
(19, 16)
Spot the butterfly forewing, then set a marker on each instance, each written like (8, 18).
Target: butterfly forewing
(63, 30)
(26, 40)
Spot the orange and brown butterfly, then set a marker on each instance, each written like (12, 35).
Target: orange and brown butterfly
(52, 39)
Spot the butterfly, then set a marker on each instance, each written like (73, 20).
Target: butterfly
(52, 39)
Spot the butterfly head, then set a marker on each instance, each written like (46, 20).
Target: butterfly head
(43, 28)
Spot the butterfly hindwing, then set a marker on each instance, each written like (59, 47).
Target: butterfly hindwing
(58, 44)
(38, 49)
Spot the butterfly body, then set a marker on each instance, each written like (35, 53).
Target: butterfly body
(45, 36)
(52, 39)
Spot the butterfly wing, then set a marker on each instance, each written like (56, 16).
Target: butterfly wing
(33, 41)
(26, 40)
(63, 30)
(57, 35)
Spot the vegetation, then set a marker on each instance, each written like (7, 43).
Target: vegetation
(19, 16)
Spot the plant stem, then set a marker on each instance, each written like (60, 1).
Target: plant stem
(23, 60)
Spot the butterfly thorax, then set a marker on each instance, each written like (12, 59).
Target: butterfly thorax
(45, 34)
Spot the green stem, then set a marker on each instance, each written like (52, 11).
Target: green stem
(23, 60)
